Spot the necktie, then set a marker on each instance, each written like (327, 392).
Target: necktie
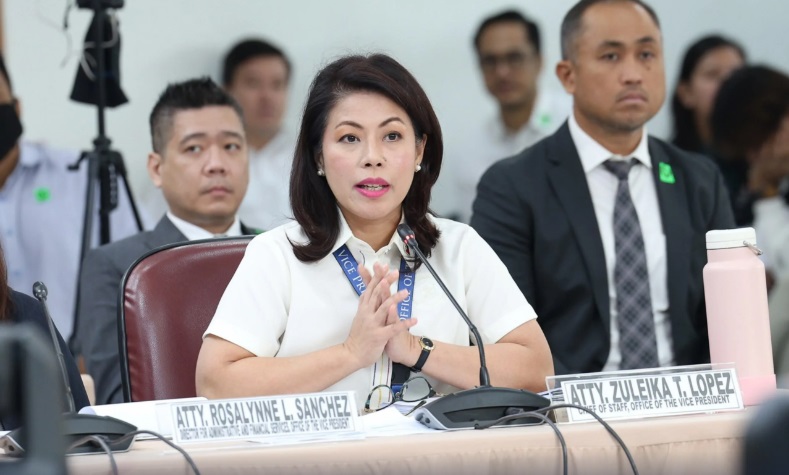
(631, 278)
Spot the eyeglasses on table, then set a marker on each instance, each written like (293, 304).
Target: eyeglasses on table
(413, 390)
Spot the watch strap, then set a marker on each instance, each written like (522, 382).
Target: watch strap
(417, 368)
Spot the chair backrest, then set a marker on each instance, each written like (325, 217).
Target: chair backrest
(168, 298)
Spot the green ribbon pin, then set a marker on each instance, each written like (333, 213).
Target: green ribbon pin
(42, 194)
(665, 173)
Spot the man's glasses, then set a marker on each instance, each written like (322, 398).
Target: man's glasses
(513, 60)
(382, 396)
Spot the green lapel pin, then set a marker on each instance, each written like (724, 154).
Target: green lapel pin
(666, 173)
(42, 194)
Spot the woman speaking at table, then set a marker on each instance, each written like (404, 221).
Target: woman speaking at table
(335, 300)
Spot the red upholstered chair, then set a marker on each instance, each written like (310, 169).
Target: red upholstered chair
(167, 300)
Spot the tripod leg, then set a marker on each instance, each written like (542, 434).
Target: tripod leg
(121, 170)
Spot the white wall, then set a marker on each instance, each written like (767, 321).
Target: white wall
(170, 40)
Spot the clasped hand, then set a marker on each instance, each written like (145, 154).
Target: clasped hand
(376, 327)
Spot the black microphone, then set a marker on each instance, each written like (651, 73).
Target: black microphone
(75, 426)
(40, 293)
(477, 406)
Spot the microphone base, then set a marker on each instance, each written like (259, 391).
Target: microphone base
(75, 427)
(466, 409)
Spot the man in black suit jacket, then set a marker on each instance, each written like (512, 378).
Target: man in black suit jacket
(541, 210)
(200, 162)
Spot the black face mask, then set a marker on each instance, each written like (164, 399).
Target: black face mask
(10, 129)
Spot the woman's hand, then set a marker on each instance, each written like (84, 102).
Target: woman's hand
(403, 348)
(372, 327)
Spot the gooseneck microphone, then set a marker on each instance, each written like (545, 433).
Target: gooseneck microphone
(471, 407)
(76, 427)
(40, 293)
(407, 235)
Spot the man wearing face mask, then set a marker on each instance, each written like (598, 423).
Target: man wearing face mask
(41, 212)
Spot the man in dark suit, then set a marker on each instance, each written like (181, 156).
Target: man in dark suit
(200, 162)
(602, 227)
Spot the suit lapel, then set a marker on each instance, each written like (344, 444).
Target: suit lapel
(674, 215)
(567, 177)
(164, 233)
(246, 230)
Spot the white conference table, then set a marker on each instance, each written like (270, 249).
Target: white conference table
(691, 444)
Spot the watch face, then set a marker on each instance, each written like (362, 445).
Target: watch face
(427, 343)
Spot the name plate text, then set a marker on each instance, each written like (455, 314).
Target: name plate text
(297, 416)
(646, 395)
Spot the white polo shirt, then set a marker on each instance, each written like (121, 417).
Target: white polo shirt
(276, 305)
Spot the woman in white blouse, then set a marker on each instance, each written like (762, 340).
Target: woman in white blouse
(296, 317)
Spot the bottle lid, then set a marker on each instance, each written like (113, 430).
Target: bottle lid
(730, 238)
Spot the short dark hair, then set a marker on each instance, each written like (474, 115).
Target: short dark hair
(571, 25)
(686, 134)
(511, 16)
(246, 50)
(4, 72)
(314, 206)
(748, 110)
(191, 94)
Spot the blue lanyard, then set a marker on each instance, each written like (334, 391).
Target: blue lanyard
(406, 280)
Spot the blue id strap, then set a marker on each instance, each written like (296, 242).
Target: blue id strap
(405, 281)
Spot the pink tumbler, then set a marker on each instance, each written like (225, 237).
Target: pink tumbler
(735, 290)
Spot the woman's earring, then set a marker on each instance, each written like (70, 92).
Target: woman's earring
(418, 167)
(321, 172)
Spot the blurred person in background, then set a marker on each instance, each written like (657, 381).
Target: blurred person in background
(509, 55)
(40, 196)
(257, 74)
(750, 125)
(707, 63)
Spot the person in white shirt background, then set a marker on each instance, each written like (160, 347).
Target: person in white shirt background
(296, 318)
(509, 54)
(257, 73)
(40, 196)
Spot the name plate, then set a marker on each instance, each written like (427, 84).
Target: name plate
(648, 395)
(297, 416)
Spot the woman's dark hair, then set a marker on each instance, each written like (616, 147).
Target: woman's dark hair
(748, 110)
(5, 292)
(686, 134)
(314, 205)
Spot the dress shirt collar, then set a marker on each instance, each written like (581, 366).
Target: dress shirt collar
(593, 154)
(502, 133)
(28, 157)
(347, 237)
(194, 232)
